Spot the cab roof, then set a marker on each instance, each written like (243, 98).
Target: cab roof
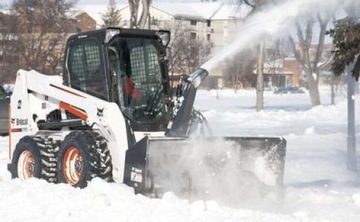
(100, 34)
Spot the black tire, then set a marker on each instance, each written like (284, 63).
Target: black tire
(82, 156)
(26, 160)
(198, 124)
(48, 151)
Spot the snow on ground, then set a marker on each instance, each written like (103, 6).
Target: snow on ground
(318, 185)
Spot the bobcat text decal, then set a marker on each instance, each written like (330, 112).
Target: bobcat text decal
(19, 121)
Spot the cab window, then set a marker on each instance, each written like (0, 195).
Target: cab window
(85, 71)
(139, 77)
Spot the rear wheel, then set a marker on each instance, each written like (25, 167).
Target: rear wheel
(83, 155)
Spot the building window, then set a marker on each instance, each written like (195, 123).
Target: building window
(208, 23)
(153, 21)
(192, 22)
(192, 35)
(208, 37)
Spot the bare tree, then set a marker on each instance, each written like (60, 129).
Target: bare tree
(187, 53)
(274, 61)
(9, 57)
(257, 5)
(238, 72)
(177, 38)
(112, 16)
(135, 20)
(311, 64)
(42, 28)
(302, 46)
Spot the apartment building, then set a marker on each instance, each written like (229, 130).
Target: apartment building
(213, 21)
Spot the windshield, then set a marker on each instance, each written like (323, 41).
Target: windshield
(135, 63)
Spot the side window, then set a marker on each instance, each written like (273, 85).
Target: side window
(2, 93)
(85, 70)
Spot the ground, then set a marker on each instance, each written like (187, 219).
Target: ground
(318, 185)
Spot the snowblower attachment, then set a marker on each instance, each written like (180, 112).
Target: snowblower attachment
(206, 166)
(225, 167)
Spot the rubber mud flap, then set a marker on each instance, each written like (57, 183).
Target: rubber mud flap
(233, 163)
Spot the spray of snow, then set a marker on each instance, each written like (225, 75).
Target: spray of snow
(272, 21)
(217, 172)
(310, 130)
(219, 169)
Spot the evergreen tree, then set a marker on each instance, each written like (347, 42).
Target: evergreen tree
(346, 39)
(112, 16)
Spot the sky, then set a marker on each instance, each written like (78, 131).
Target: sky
(89, 2)
(318, 187)
(8, 2)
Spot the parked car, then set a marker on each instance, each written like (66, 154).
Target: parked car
(289, 90)
(4, 111)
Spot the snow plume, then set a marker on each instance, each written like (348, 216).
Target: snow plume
(217, 169)
(273, 21)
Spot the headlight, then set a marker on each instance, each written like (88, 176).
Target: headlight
(110, 33)
(164, 36)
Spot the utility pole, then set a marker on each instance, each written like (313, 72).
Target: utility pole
(351, 139)
(257, 5)
(260, 78)
(333, 90)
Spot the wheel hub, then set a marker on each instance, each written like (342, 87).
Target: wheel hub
(26, 165)
(31, 168)
(78, 165)
(72, 165)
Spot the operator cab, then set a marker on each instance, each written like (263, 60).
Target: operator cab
(125, 66)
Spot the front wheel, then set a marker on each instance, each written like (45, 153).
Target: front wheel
(26, 161)
(83, 155)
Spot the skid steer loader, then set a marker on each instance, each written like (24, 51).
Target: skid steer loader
(113, 115)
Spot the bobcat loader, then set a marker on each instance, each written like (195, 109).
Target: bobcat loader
(113, 115)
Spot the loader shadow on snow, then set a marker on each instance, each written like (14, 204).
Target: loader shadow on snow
(324, 183)
(291, 107)
(288, 107)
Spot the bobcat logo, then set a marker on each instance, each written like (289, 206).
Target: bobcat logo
(100, 112)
